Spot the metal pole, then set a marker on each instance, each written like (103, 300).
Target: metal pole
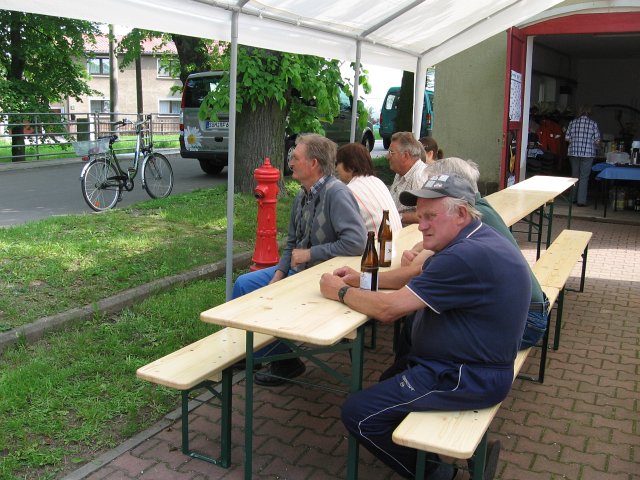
(232, 149)
(418, 96)
(356, 86)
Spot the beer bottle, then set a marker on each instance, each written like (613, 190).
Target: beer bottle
(385, 240)
(369, 265)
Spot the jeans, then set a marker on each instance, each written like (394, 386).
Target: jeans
(581, 169)
(537, 322)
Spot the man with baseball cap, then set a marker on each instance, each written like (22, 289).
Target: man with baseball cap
(466, 331)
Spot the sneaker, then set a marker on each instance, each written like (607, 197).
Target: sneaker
(280, 372)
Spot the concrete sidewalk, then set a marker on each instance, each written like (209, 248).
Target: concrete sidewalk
(581, 424)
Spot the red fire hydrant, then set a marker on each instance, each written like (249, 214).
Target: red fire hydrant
(265, 253)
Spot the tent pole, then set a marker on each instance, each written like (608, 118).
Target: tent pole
(418, 96)
(356, 88)
(232, 150)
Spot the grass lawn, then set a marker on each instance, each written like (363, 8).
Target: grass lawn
(73, 395)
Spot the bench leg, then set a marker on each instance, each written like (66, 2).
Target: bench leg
(479, 459)
(225, 423)
(584, 267)
(556, 337)
(543, 353)
(420, 464)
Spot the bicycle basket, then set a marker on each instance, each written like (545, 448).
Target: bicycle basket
(91, 147)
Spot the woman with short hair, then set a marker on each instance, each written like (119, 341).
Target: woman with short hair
(355, 168)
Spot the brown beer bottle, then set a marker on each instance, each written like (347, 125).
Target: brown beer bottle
(369, 265)
(385, 240)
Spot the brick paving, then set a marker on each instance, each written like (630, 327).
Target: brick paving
(581, 424)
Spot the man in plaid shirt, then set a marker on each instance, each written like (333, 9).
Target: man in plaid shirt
(583, 137)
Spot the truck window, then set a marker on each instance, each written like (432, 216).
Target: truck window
(392, 102)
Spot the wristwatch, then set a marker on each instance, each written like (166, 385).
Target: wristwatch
(342, 292)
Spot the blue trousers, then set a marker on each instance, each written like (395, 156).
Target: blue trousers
(249, 282)
(371, 415)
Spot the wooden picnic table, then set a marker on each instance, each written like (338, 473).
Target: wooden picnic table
(294, 310)
(519, 201)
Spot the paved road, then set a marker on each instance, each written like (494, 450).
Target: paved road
(31, 191)
(28, 194)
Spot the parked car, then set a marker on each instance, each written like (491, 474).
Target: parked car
(389, 111)
(208, 140)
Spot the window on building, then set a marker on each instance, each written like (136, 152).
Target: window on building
(169, 106)
(99, 66)
(166, 66)
(99, 106)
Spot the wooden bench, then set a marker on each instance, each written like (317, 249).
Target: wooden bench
(208, 364)
(463, 434)
(554, 268)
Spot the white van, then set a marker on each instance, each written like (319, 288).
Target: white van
(208, 140)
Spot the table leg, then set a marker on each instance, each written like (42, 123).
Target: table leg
(248, 415)
(540, 226)
(605, 200)
(571, 205)
(357, 362)
(550, 222)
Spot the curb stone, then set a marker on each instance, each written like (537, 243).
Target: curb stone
(36, 330)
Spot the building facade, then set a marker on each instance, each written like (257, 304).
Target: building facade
(575, 53)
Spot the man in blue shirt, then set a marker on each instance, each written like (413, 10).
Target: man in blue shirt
(583, 137)
(466, 331)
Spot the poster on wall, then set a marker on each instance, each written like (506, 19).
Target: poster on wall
(515, 103)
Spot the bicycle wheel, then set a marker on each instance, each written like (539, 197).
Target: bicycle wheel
(100, 185)
(157, 175)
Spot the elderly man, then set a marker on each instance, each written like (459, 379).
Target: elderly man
(404, 156)
(325, 222)
(471, 301)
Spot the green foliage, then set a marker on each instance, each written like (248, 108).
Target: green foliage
(305, 87)
(39, 65)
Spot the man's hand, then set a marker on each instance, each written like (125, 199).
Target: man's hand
(348, 275)
(407, 258)
(330, 284)
(300, 256)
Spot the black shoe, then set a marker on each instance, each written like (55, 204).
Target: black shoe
(279, 372)
(242, 365)
(491, 462)
(582, 204)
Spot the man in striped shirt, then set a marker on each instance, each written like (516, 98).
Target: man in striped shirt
(583, 137)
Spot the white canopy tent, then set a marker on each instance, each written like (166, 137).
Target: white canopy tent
(405, 34)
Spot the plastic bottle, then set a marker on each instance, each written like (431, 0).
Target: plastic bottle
(385, 240)
(369, 265)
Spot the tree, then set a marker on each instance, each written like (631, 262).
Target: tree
(278, 94)
(39, 65)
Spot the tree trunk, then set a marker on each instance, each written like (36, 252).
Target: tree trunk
(404, 120)
(15, 73)
(139, 97)
(262, 133)
(191, 52)
(18, 149)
